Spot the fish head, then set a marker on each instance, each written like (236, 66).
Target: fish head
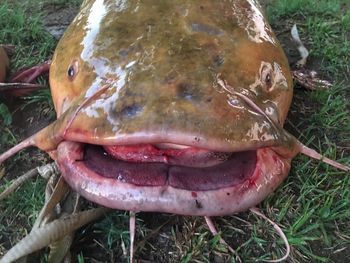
(167, 94)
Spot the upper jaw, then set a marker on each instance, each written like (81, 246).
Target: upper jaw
(269, 171)
(223, 144)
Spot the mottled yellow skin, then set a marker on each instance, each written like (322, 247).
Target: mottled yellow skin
(164, 63)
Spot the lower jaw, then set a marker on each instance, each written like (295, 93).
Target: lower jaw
(189, 198)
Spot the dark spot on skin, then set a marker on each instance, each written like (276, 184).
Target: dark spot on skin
(131, 111)
(194, 194)
(187, 91)
(201, 7)
(209, 99)
(123, 53)
(198, 204)
(227, 194)
(132, 93)
(170, 78)
(197, 139)
(201, 28)
(218, 61)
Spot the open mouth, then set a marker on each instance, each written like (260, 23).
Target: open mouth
(188, 169)
(171, 178)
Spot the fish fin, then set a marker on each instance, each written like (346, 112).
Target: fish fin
(22, 82)
(30, 74)
(19, 89)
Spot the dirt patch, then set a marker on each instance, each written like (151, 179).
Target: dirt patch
(57, 18)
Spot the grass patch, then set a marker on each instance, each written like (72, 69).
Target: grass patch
(21, 26)
(314, 203)
(25, 31)
(65, 2)
(324, 26)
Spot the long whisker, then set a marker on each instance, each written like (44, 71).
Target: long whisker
(249, 102)
(84, 103)
(18, 147)
(278, 230)
(46, 132)
(301, 147)
(315, 155)
(213, 230)
(132, 226)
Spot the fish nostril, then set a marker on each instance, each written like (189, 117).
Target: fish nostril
(266, 76)
(268, 81)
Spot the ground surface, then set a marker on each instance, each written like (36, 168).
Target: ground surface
(312, 206)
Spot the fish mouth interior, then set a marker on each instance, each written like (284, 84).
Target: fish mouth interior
(182, 168)
(187, 182)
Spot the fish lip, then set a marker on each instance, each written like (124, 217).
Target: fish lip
(269, 172)
(214, 143)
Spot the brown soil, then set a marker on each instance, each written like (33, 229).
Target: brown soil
(58, 18)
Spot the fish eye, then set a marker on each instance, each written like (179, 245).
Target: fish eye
(73, 70)
(267, 77)
(268, 81)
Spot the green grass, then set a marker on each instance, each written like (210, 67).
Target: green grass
(33, 45)
(325, 25)
(312, 206)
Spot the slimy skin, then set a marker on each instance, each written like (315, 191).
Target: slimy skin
(208, 75)
(162, 63)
